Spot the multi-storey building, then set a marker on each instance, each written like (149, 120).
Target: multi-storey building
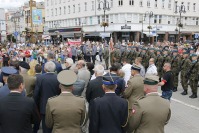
(2, 25)
(127, 19)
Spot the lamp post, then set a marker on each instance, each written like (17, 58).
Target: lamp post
(142, 35)
(179, 9)
(150, 14)
(176, 30)
(106, 7)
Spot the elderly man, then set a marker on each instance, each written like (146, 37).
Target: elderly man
(66, 113)
(135, 89)
(108, 114)
(28, 80)
(151, 113)
(68, 63)
(17, 112)
(94, 88)
(46, 86)
(152, 69)
(83, 74)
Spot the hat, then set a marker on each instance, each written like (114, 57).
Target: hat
(110, 79)
(165, 49)
(193, 55)
(158, 50)
(151, 48)
(151, 80)
(135, 67)
(6, 71)
(24, 65)
(67, 77)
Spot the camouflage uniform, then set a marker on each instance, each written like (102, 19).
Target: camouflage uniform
(175, 63)
(185, 65)
(158, 63)
(193, 79)
(106, 56)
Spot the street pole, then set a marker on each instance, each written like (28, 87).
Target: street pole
(156, 34)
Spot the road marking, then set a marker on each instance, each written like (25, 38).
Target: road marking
(183, 103)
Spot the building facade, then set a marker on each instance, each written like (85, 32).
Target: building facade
(128, 20)
(2, 25)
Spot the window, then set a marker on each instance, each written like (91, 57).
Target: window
(55, 11)
(162, 3)
(194, 7)
(155, 19)
(141, 3)
(79, 8)
(111, 3)
(196, 21)
(169, 22)
(169, 5)
(47, 12)
(73, 8)
(188, 5)
(60, 11)
(131, 2)
(64, 10)
(98, 19)
(47, 2)
(120, 2)
(107, 19)
(51, 12)
(91, 20)
(160, 19)
(92, 7)
(85, 4)
(68, 9)
(148, 3)
(156, 3)
(76, 21)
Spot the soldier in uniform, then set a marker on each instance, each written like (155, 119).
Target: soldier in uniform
(66, 112)
(166, 58)
(106, 56)
(134, 54)
(193, 79)
(117, 55)
(158, 64)
(135, 89)
(144, 57)
(145, 116)
(185, 65)
(175, 63)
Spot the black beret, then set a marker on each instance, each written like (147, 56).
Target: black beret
(24, 65)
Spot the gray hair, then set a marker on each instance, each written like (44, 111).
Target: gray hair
(50, 66)
(69, 61)
(99, 70)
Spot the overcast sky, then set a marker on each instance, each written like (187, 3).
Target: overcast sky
(13, 3)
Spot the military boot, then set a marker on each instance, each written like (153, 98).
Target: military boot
(184, 92)
(193, 96)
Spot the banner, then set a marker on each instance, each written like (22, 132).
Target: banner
(37, 16)
(75, 42)
(45, 37)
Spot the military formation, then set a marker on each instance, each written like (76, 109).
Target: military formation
(182, 58)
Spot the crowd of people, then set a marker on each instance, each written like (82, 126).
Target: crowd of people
(64, 89)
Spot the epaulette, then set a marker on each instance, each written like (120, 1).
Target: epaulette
(52, 97)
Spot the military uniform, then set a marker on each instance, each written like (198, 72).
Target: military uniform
(185, 65)
(66, 112)
(166, 59)
(106, 56)
(145, 116)
(193, 79)
(158, 63)
(175, 63)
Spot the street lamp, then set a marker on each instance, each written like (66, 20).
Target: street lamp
(179, 9)
(176, 30)
(106, 7)
(150, 14)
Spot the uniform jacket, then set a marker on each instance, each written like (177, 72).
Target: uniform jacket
(18, 121)
(29, 84)
(4, 91)
(135, 89)
(65, 113)
(109, 114)
(149, 115)
(46, 86)
(94, 89)
(185, 66)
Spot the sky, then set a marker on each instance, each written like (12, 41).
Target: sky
(13, 3)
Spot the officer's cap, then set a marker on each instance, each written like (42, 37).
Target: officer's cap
(24, 64)
(151, 80)
(110, 79)
(135, 67)
(6, 71)
(67, 77)
(193, 55)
